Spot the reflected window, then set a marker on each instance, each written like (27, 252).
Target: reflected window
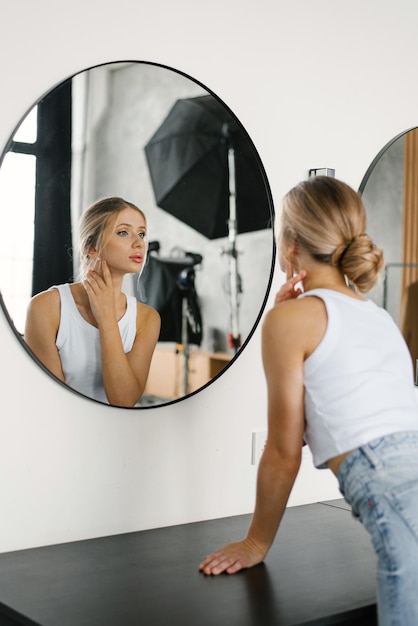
(17, 197)
(36, 247)
(27, 131)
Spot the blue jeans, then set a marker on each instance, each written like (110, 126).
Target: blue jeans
(380, 482)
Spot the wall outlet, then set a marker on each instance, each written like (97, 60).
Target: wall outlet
(258, 444)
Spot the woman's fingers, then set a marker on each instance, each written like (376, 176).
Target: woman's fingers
(100, 277)
(214, 565)
(92, 281)
(288, 291)
(296, 278)
(106, 273)
(232, 558)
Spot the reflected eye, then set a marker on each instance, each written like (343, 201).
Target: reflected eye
(142, 235)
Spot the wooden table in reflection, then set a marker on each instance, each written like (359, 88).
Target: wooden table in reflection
(165, 379)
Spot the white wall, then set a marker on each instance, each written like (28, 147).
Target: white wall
(316, 84)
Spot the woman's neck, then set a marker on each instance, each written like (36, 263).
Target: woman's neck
(326, 277)
(319, 275)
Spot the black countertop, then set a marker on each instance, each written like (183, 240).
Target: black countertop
(320, 570)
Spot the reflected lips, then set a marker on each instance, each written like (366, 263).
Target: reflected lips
(137, 258)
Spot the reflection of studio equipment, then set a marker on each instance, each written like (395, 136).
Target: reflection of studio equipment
(168, 285)
(205, 171)
(189, 317)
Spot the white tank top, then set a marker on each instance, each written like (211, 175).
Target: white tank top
(358, 381)
(78, 344)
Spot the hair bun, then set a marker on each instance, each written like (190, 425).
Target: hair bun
(361, 260)
(340, 252)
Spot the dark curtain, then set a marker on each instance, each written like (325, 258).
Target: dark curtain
(52, 255)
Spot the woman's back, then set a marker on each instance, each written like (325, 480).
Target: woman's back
(359, 379)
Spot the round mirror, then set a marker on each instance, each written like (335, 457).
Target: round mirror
(161, 140)
(390, 194)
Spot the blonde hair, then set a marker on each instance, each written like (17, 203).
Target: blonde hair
(96, 222)
(327, 218)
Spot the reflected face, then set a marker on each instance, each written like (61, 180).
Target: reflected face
(125, 245)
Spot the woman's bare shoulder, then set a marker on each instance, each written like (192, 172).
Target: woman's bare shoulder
(296, 309)
(43, 313)
(148, 325)
(45, 301)
(300, 322)
(146, 314)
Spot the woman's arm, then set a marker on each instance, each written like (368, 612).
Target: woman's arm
(41, 328)
(283, 355)
(124, 375)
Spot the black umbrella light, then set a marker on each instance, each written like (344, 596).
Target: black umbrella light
(205, 171)
(188, 162)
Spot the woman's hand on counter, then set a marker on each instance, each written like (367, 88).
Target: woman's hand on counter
(232, 558)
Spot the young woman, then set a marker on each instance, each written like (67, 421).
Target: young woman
(90, 334)
(339, 376)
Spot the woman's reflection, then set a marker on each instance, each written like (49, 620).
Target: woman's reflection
(90, 334)
(92, 135)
